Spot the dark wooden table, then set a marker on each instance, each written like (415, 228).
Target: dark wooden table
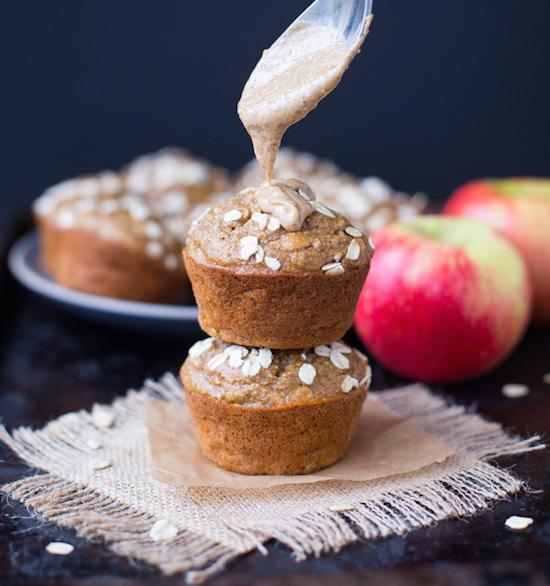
(51, 363)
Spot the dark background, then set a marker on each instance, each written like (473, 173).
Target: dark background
(444, 91)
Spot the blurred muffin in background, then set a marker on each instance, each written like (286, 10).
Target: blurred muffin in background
(369, 203)
(121, 234)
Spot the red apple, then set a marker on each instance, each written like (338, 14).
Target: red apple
(446, 299)
(519, 209)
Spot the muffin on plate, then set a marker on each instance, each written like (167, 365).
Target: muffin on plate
(257, 411)
(98, 236)
(369, 203)
(272, 267)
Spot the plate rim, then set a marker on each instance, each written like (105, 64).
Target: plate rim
(41, 284)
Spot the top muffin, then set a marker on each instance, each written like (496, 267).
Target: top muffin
(273, 267)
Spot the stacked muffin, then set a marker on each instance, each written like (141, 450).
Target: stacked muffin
(274, 390)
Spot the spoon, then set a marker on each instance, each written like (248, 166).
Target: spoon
(349, 17)
(300, 69)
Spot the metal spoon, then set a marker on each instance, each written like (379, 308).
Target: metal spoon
(349, 17)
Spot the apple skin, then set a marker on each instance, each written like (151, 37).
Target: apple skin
(519, 210)
(446, 299)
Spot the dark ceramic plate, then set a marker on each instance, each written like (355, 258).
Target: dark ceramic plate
(24, 263)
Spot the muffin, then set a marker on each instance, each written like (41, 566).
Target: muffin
(288, 278)
(369, 203)
(257, 411)
(99, 237)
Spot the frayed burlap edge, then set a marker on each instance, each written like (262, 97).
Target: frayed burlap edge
(463, 485)
(126, 530)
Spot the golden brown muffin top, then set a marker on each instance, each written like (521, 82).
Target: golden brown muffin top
(273, 378)
(154, 220)
(239, 233)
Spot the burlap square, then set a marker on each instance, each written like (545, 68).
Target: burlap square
(119, 504)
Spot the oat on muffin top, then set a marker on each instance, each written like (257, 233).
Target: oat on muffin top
(273, 378)
(248, 232)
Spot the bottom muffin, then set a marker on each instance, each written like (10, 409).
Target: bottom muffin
(257, 411)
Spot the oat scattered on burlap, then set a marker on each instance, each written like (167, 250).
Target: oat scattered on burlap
(121, 503)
